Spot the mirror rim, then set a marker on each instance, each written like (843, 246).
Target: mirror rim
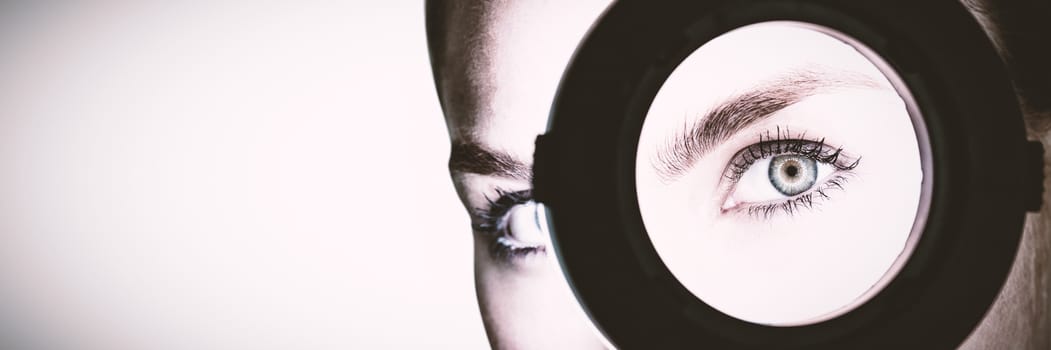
(584, 174)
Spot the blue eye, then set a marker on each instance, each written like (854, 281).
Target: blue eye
(784, 174)
(512, 224)
(792, 174)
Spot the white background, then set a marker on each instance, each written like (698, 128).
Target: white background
(259, 175)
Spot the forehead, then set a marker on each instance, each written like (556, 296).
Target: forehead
(503, 60)
(742, 59)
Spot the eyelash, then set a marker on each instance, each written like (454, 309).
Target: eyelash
(491, 220)
(782, 143)
(792, 205)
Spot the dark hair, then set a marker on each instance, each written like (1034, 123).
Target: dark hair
(435, 26)
(1021, 31)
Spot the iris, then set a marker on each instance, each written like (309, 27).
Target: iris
(792, 174)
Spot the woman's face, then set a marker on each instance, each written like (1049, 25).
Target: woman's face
(848, 138)
(497, 66)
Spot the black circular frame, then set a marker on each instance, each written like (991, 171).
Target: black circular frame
(585, 174)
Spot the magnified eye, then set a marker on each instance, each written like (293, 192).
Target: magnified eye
(512, 223)
(778, 177)
(784, 174)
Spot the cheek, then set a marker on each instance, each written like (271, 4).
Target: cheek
(529, 307)
(786, 266)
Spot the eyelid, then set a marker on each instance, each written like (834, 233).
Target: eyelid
(778, 143)
(783, 143)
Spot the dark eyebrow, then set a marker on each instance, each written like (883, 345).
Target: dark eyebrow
(680, 151)
(470, 157)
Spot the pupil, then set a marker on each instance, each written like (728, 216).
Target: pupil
(791, 170)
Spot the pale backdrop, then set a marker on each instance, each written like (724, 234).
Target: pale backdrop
(227, 176)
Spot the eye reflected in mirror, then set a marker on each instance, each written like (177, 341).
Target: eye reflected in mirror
(780, 175)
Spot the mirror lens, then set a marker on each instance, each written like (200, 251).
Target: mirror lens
(780, 174)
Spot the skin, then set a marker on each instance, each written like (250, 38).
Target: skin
(497, 65)
(497, 86)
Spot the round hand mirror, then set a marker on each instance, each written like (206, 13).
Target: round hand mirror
(786, 173)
